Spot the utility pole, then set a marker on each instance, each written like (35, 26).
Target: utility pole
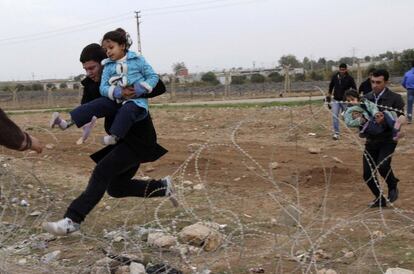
(137, 16)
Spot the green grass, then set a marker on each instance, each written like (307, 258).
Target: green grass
(195, 105)
(239, 105)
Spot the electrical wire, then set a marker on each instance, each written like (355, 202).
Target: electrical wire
(119, 18)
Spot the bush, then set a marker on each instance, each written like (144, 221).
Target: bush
(300, 77)
(210, 77)
(316, 76)
(276, 77)
(238, 80)
(257, 78)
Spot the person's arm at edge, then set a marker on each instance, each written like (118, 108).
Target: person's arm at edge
(14, 138)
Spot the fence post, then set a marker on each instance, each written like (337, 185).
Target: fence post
(15, 103)
(287, 79)
(172, 83)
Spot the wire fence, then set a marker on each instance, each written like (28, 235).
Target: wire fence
(294, 218)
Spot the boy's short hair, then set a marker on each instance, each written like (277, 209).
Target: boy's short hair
(353, 93)
(343, 65)
(381, 72)
(92, 52)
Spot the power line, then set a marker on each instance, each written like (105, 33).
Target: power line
(122, 15)
(206, 8)
(118, 18)
(51, 35)
(69, 28)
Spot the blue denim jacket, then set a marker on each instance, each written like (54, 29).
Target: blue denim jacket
(133, 71)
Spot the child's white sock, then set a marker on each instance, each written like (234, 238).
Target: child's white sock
(57, 121)
(109, 140)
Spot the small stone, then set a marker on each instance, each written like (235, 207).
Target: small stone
(199, 187)
(118, 239)
(336, 159)
(274, 165)
(136, 268)
(398, 270)
(35, 213)
(24, 203)
(22, 261)
(50, 146)
(237, 179)
(187, 183)
(314, 150)
(160, 239)
(52, 256)
(378, 234)
(349, 254)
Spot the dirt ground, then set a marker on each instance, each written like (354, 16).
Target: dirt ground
(255, 165)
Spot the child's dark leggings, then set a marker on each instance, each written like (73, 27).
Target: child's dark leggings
(125, 114)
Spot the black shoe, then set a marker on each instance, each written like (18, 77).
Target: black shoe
(393, 194)
(378, 203)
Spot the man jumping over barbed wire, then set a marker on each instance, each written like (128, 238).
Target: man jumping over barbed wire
(115, 164)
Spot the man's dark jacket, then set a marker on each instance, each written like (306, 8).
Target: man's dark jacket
(365, 87)
(90, 90)
(340, 84)
(141, 138)
(388, 99)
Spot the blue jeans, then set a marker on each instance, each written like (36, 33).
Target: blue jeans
(337, 108)
(410, 101)
(123, 115)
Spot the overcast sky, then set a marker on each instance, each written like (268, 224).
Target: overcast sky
(43, 38)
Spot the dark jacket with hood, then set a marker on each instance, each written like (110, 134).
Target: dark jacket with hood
(339, 84)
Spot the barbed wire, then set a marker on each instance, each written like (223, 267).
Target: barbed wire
(293, 233)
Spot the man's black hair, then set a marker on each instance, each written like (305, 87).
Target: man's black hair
(92, 52)
(381, 72)
(371, 70)
(343, 65)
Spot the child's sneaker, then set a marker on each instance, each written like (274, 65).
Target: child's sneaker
(109, 140)
(169, 190)
(62, 227)
(57, 121)
(87, 130)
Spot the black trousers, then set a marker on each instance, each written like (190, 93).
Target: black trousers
(113, 174)
(377, 156)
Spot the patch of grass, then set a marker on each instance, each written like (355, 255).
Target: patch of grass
(184, 106)
(24, 112)
(240, 105)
